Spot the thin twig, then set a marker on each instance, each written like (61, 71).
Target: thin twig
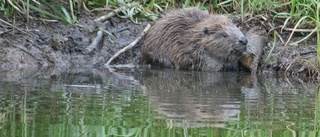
(3, 32)
(97, 39)
(129, 46)
(299, 30)
(15, 27)
(288, 67)
(272, 28)
(255, 17)
(294, 29)
(308, 52)
(115, 12)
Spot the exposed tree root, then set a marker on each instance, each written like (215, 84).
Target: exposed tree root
(129, 46)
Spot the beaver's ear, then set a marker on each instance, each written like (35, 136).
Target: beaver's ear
(205, 31)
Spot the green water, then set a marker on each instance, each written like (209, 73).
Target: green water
(156, 103)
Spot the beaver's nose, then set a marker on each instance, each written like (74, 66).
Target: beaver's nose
(243, 40)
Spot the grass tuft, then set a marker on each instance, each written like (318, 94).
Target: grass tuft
(273, 45)
(317, 20)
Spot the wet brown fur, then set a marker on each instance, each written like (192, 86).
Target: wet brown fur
(193, 39)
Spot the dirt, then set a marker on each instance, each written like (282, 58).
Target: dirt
(59, 45)
(45, 45)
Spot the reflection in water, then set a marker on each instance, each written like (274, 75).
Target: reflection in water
(195, 96)
(92, 102)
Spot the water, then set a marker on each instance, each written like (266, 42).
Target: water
(152, 103)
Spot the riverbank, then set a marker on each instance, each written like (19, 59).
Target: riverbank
(39, 45)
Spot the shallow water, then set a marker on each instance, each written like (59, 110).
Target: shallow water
(90, 102)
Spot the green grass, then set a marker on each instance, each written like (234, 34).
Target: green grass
(318, 31)
(53, 10)
(273, 46)
(290, 11)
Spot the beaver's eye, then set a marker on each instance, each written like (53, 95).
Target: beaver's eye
(223, 34)
(205, 31)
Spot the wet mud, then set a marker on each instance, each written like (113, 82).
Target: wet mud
(46, 45)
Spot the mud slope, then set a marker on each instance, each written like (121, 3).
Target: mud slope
(58, 44)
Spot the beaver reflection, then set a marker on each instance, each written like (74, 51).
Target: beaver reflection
(194, 95)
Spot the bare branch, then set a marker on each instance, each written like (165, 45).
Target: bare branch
(97, 39)
(129, 46)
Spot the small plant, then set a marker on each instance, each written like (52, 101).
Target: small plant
(7, 7)
(273, 46)
(317, 20)
(59, 9)
(3, 9)
(130, 13)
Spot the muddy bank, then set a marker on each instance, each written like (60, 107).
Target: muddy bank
(44, 45)
(56, 44)
(280, 59)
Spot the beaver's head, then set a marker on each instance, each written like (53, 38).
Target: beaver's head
(221, 39)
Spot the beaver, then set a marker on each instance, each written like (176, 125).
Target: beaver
(193, 39)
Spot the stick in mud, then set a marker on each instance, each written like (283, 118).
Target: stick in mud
(129, 46)
(97, 39)
(99, 36)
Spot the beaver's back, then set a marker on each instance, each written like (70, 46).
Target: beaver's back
(187, 16)
(192, 39)
(166, 34)
(177, 22)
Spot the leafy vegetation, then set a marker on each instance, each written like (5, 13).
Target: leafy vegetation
(290, 11)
